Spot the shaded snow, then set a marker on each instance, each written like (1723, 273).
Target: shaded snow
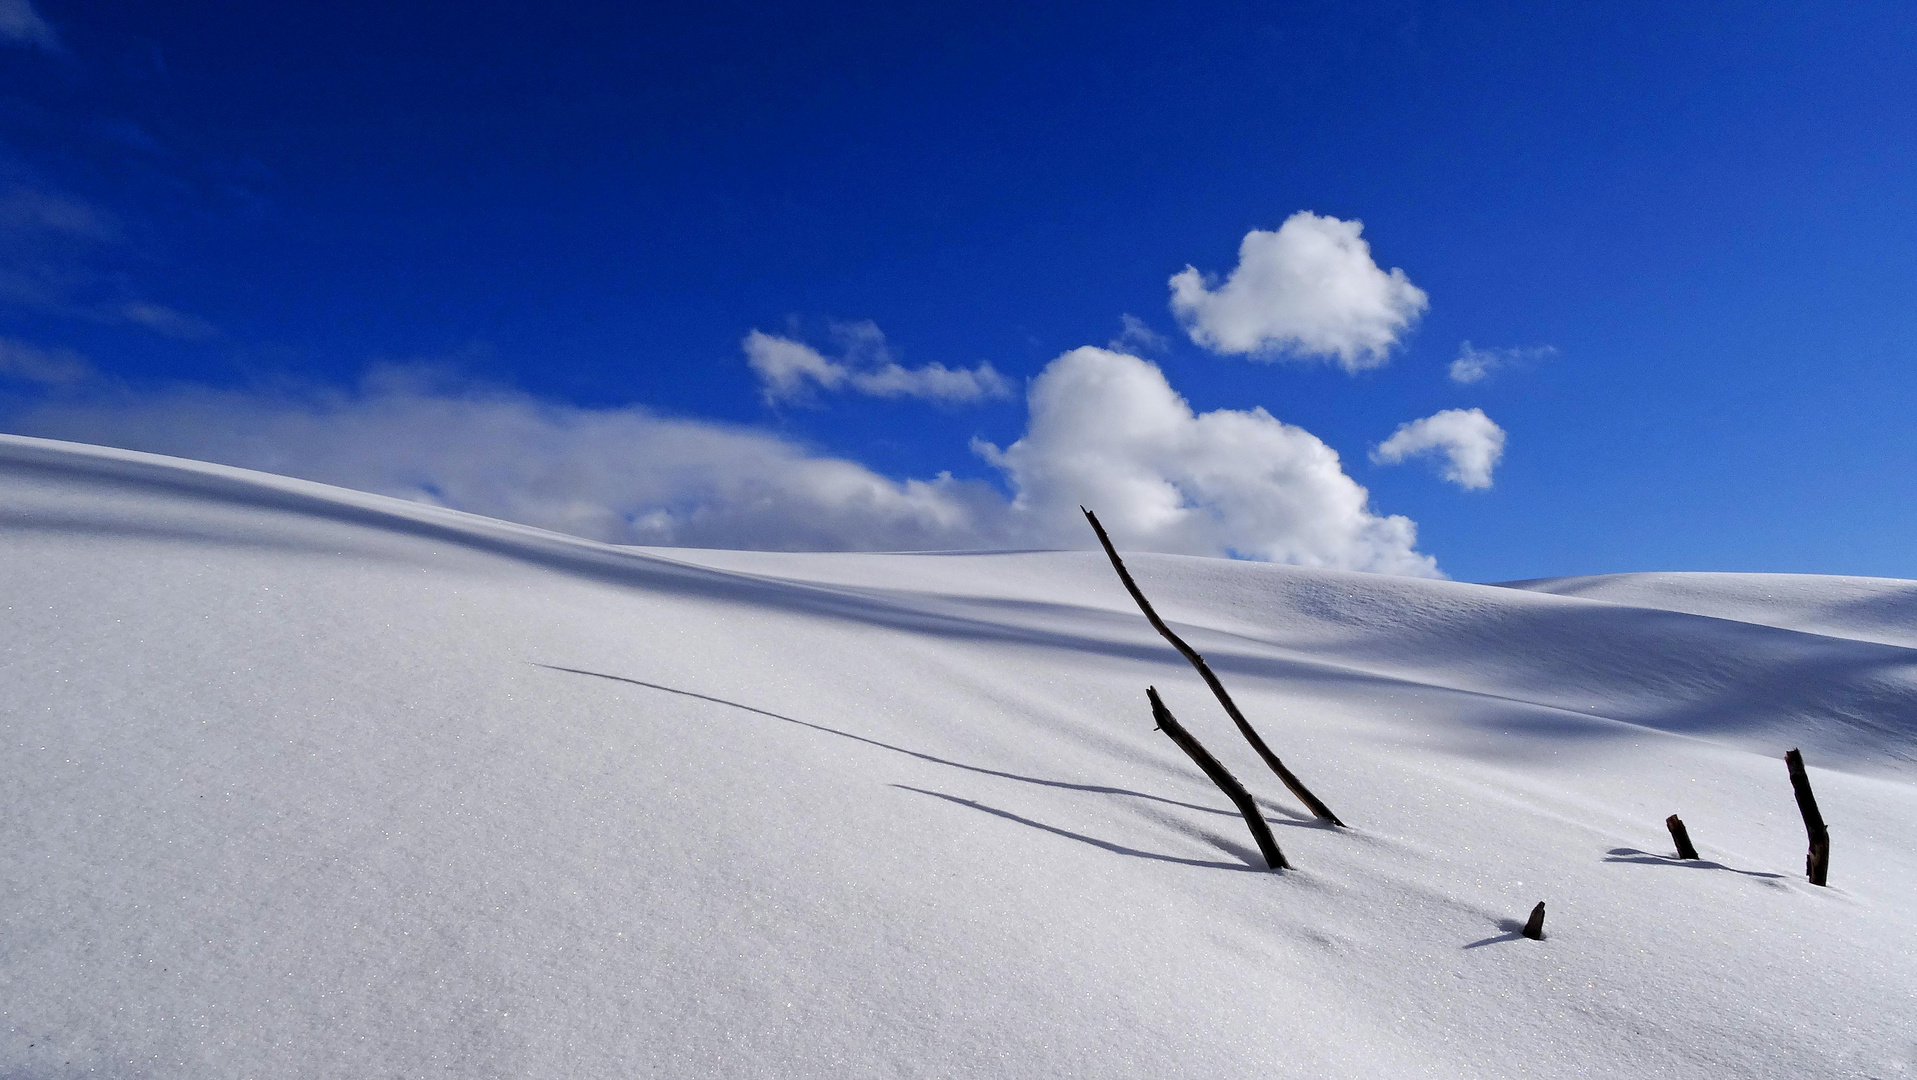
(304, 782)
(1864, 608)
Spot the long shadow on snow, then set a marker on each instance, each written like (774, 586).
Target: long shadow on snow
(1646, 858)
(1106, 845)
(1092, 788)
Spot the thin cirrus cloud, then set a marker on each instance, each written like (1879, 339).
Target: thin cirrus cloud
(1136, 336)
(20, 24)
(29, 363)
(1105, 429)
(167, 322)
(1475, 364)
(790, 370)
(1469, 443)
(51, 251)
(1308, 290)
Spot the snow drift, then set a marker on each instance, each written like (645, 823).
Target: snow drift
(305, 782)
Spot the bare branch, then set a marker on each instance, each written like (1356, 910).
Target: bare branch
(1227, 783)
(1296, 785)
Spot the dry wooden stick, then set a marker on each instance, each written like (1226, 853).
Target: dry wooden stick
(1817, 862)
(1227, 783)
(1297, 786)
(1534, 926)
(1682, 836)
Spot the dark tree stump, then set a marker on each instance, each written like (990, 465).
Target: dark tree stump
(1227, 783)
(1682, 836)
(1817, 862)
(1296, 786)
(1534, 926)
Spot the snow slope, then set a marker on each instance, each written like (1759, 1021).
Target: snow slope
(1867, 609)
(305, 782)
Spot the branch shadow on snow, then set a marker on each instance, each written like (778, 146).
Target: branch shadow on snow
(1095, 789)
(1249, 862)
(1513, 931)
(1646, 858)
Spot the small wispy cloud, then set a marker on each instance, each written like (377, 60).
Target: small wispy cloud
(789, 370)
(26, 362)
(30, 211)
(21, 25)
(1136, 336)
(1469, 441)
(167, 322)
(1310, 289)
(57, 257)
(1475, 365)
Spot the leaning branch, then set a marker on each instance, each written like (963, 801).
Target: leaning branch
(1227, 783)
(1297, 786)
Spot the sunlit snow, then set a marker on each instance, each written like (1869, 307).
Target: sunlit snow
(304, 782)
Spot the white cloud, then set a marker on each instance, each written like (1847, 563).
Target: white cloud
(1136, 336)
(787, 369)
(1310, 289)
(21, 25)
(47, 367)
(1469, 441)
(1106, 430)
(1473, 364)
(625, 475)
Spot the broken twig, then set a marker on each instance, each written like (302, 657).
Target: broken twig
(1534, 926)
(1681, 836)
(1817, 862)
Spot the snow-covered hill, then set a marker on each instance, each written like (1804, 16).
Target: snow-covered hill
(305, 782)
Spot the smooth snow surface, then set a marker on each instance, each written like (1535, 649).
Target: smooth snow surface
(1868, 609)
(304, 782)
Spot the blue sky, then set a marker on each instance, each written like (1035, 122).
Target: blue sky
(509, 258)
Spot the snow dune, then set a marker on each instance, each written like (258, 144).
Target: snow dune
(306, 782)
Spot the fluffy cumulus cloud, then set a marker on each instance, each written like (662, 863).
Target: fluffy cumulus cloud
(1106, 430)
(790, 370)
(1310, 289)
(1475, 365)
(21, 25)
(1468, 441)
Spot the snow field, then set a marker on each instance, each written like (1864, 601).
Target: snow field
(306, 782)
